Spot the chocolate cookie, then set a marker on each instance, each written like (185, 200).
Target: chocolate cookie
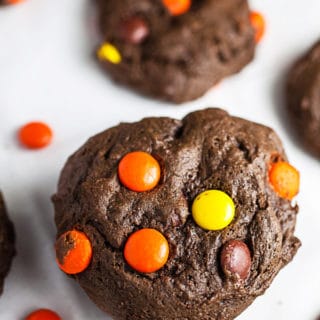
(174, 50)
(7, 250)
(168, 219)
(303, 98)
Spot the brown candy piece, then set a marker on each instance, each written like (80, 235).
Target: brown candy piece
(134, 30)
(236, 260)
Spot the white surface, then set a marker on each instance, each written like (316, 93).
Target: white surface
(47, 73)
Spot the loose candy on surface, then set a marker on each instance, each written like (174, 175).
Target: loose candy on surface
(139, 171)
(146, 250)
(35, 135)
(73, 252)
(213, 210)
(43, 314)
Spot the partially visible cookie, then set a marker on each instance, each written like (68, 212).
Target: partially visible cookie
(7, 250)
(174, 50)
(303, 98)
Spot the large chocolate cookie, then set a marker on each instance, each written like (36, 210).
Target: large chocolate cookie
(7, 250)
(175, 57)
(201, 240)
(303, 98)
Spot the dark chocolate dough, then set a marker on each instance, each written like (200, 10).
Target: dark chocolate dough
(181, 57)
(303, 99)
(208, 149)
(7, 250)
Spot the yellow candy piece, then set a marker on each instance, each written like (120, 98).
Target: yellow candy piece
(213, 210)
(110, 53)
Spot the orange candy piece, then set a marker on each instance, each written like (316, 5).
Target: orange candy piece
(285, 179)
(139, 171)
(35, 135)
(146, 250)
(259, 25)
(43, 314)
(73, 252)
(177, 7)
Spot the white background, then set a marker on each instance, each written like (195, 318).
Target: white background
(47, 72)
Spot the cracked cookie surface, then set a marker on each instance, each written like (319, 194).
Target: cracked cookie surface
(175, 58)
(208, 149)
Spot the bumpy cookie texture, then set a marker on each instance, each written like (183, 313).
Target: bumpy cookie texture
(303, 99)
(176, 58)
(208, 149)
(7, 250)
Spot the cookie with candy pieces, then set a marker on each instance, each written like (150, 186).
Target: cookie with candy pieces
(176, 50)
(177, 219)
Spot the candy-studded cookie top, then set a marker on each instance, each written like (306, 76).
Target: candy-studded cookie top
(208, 152)
(174, 49)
